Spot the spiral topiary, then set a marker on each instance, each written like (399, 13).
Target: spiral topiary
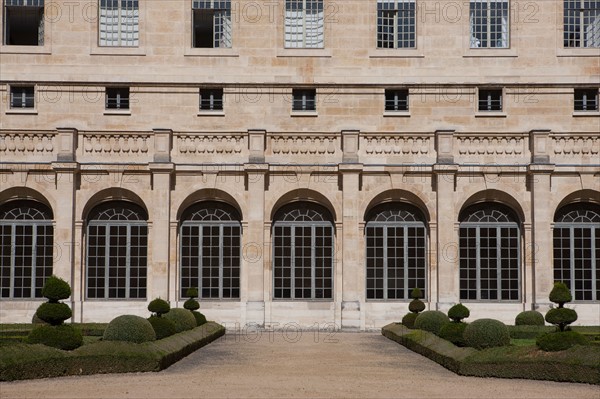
(458, 312)
(486, 333)
(561, 317)
(162, 326)
(129, 328)
(432, 321)
(453, 332)
(529, 318)
(183, 319)
(159, 307)
(415, 307)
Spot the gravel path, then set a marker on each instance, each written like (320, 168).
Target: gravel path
(310, 364)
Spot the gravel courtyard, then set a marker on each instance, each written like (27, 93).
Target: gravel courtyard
(307, 364)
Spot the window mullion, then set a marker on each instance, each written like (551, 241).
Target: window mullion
(395, 38)
(572, 260)
(13, 253)
(127, 261)
(405, 282)
(33, 258)
(313, 268)
(221, 261)
(385, 263)
(200, 258)
(594, 263)
(293, 261)
(478, 262)
(500, 261)
(107, 230)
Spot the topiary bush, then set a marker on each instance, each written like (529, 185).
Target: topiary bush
(431, 320)
(409, 320)
(560, 294)
(486, 333)
(63, 337)
(453, 332)
(162, 326)
(415, 307)
(129, 328)
(54, 313)
(529, 318)
(200, 318)
(560, 341)
(458, 312)
(159, 307)
(56, 289)
(561, 317)
(183, 319)
(191, 304)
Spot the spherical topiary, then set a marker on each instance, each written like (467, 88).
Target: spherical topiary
(191, 304)
(409, 320)
(183, 319)
(416, 306)
(560, 341)
(56, 289)
(529, 318)
(453, 332)
(159, 307)
(162, 326)
(458, 312)
(560, 294)
(54, 313)
(561, 317)
(65, 337)
(486, 333)
(129, 328)
(200, 318)
(431, 320)
(192, 293)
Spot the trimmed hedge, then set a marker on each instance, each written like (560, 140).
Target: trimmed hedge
(486, 333)
(431, 320)
(129, 328)
(560, 341)
(578, 364)
(529, 332)
(20, 361)
(183, 319)
(453, 332)
(65, 336)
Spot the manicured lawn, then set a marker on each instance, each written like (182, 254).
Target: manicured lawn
(522, 342)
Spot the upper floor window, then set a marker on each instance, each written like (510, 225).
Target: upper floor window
(119, 23)
(304, 100)
(304, 24)
(396, 100)
(396, 24)
(211, 21)
(586, 99)
(488, 20)
(490, 100)
(581, 23)
(211, 99)
(117, 98)
(22, 97)
(24, 22)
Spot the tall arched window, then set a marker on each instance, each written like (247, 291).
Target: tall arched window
(117, 249)
(489, 253)
(26, 243)
(210, 240)
(577, 250)
(303, 240)
(396, 251)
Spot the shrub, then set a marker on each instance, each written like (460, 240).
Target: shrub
(458, 312)
(162, 326)
(200, 318)
(431, 320)
(63, 337)
(54, 313)
(409, 320)
(159, 307)
(192, 292)
(129, 328)
(56, 289)
(191, 304)
(183, 319)
(529, 318)
(416, 306)
(453, 332)
(561, 317)
(560, 294)
(559, 341)
(486, 333)
(36, 320)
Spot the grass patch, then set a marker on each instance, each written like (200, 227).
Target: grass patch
(522, 342)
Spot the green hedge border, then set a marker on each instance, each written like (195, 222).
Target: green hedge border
(21, 361)
(578, 364)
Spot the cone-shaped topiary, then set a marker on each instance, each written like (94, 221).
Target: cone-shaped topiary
(458, 312)
(162, 326)
(529, 318)
(159, 307)
(200, 318)
(129, 328)
(56, 289)
(560, 294)
(486, 333)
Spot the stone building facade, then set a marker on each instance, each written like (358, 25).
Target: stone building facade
(305, 162)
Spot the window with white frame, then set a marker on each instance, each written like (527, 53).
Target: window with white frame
(26, 249)
(303, 239)
(396, 252)
(581, 23)
(210, 242)
(211, 24)
(24, 22)
(577, 250)
(304, 24)
(489, 247)
(116, 251)
(396, 23)
(119, 23)
(22, 97)
(586, 99)
(489, 23)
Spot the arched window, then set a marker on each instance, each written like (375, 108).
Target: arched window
(210, 240)
(577, 250)
(26, 243)
(396, 251)
(303, 252)
(117, 249)
(489, 253)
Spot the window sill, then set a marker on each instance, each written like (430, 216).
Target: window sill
(21, 111)
(211, 113)
(125, 112)
(126, 51)
(396, 114)
(589, 114)
(309, 114)
(491, 53)
(44, 50)
(578, 52)
(304, 52)
(396, 53)
(491, 114)
(210, 52)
